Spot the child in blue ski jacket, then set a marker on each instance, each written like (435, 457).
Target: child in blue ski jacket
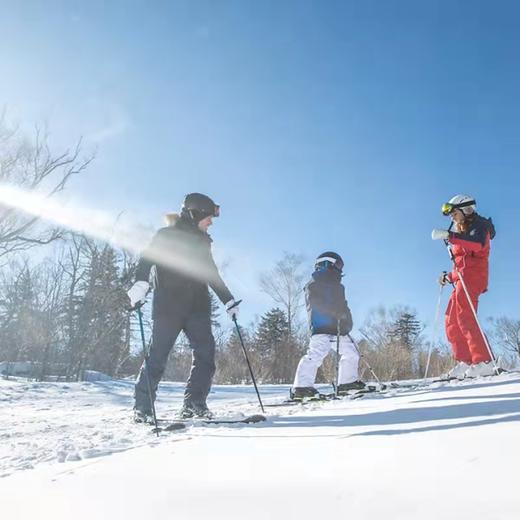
(329, 315)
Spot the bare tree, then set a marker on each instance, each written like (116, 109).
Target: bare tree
(284, 284)
(393, 345)
(506, 334)
(30, 165)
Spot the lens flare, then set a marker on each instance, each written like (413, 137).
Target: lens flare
(101, 225)
(94, 223)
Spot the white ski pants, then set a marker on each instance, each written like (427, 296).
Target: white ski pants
(319, 347)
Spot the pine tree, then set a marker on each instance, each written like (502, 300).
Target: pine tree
(26, 326)
(272, 346)
(406, 330)
(102, 316)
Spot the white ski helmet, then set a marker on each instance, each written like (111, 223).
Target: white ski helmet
(465, 203)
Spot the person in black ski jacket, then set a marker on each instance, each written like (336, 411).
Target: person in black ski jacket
(184, 268)
(327, 307)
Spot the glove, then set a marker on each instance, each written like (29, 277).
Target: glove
(445, 278)
(138, 292)
(232, 309)
(440, 234)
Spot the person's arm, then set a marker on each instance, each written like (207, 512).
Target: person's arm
(137, 293)
(474, 239)
(216, 282)
(149, 257)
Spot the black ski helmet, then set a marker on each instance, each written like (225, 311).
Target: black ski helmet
(330, 259)
(197, 206)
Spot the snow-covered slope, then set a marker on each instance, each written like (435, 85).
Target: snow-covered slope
(448, 451)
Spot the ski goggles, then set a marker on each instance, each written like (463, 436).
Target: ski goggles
(448, 208)
(326, 261)
(199, 214)
(214, 213)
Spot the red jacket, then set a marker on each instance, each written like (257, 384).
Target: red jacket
(471, 251)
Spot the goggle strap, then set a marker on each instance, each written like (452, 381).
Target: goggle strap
(326, 259)
(465, 204)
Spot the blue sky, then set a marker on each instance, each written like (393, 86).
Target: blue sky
(316, 126)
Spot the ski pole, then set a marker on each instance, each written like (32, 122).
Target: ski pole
(338, 332)
(435, 330)
(146, 368)
(247, 361)
(472, 307)
(363, 358)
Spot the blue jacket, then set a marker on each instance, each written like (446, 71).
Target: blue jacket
(325, 299)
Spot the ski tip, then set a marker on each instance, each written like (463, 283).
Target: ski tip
(255, 418)
(174, 426)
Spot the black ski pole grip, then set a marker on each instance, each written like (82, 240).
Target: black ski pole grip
(236, 304)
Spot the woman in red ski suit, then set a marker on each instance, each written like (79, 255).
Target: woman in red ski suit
(470, 245)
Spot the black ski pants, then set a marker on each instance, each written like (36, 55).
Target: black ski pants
(166, 329)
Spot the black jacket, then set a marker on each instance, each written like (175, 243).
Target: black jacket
(184, 269)
(325, 298)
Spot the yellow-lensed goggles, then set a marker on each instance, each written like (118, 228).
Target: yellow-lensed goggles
(448, 208)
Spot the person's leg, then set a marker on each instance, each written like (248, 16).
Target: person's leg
(200, 336)
(454, 333)
(349, 361)
(165, 331)
(468, 323)
(318, 348)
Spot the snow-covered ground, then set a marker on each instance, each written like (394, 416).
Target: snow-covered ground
(447, 451)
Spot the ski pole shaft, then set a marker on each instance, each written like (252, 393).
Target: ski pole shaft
(434, 332)
(248, 363)
(472, 307)
(146, 369)
(338, 332)
(363, 358)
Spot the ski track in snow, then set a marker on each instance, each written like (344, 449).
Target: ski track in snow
(46, 423)
(62, 422)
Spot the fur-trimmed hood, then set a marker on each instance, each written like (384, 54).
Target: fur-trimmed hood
(171, 219)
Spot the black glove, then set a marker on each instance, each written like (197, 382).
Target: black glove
(445, 278)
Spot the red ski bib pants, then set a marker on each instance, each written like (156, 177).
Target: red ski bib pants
(462, 330)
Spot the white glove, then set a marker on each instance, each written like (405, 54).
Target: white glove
(440, 234)
(232, 309)
(137, 293)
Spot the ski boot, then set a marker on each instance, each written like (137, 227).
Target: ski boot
(457, 372)
(192, 409)
(350, 388)
(302, 392)
(485, 368)
(143, 416)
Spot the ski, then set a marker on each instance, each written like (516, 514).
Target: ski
(181, 424)
(318, 398)
(172, 426)
(322, 397)
(251, 419)
(421, 383)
